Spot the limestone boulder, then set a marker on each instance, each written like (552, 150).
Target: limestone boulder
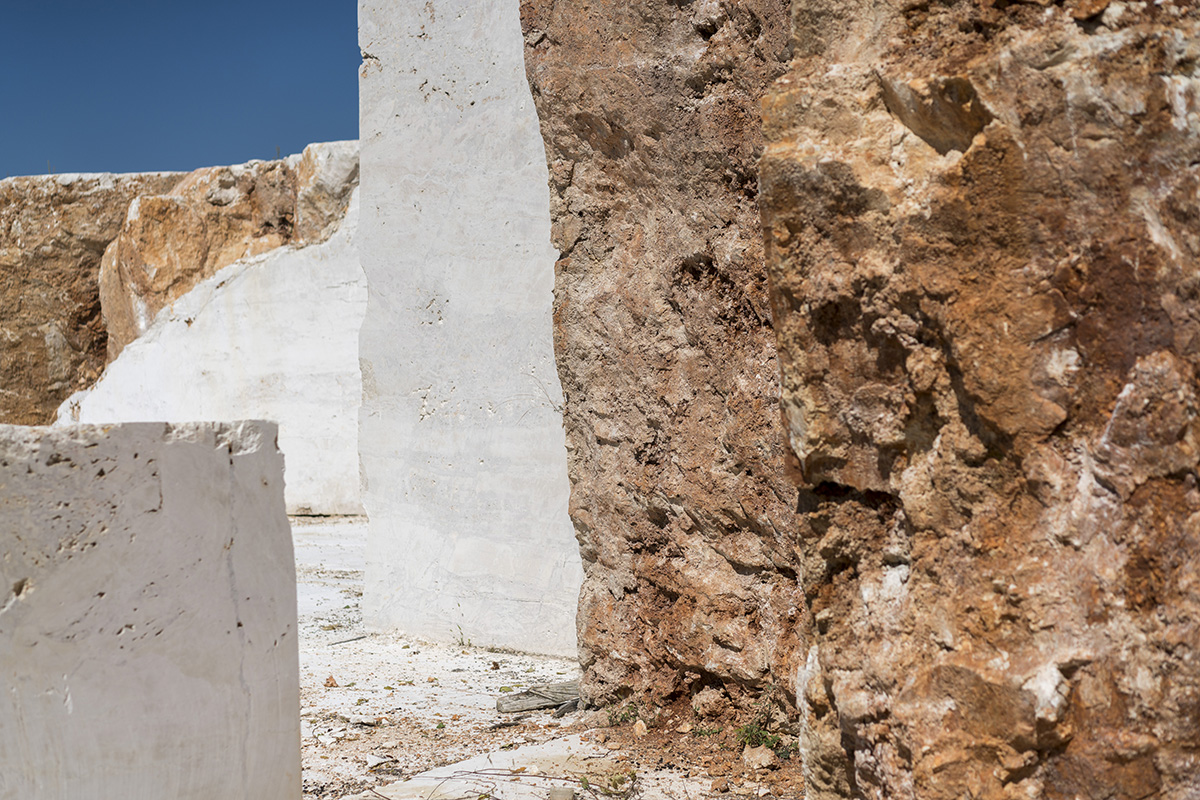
(980, 223)
(665, 343)
(148, 614)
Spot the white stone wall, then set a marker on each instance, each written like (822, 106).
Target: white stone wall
(147, 614)
(271, 337)
(461, 433)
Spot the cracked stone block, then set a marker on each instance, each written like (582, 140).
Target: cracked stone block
(147, 613)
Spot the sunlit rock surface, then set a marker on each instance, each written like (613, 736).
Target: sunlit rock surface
(53, 232)
(213, 217)
(461, 435)
(663, 335)
(981, 224)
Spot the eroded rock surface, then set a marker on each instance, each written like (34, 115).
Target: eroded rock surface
(53, 231)
(213, 217)
(665, 348)
(981, 226)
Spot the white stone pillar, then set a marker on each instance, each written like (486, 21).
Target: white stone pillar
(147, 614)
(461, 435)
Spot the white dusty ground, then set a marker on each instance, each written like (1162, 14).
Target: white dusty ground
(408, 719)
(425, 705)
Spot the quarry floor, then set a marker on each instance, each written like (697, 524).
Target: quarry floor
(389, 716)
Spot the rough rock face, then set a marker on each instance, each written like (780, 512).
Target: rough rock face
(53, 231)
(665, 348)
(213, 217)
(981, 225)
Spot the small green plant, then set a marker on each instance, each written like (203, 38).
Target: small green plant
(462, 640)
(360, 701)
(441, 725)
(754, 735)
(698, 732)
(757, 734)
(623, 785)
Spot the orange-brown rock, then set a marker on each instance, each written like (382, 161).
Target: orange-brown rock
(664, 342)
(53, 231)
(981, 228)
(212, 218)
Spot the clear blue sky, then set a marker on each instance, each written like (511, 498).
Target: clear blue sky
(137, 85)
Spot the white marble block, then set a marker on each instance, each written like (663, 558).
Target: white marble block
(461, 439)
(147, 614)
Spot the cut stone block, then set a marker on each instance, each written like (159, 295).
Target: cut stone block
(147, 614)
(461, 438)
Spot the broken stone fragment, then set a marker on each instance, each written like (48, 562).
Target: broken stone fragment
(761, 757)
(944, 111)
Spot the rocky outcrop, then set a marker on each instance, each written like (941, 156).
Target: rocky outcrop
(86, 261)
(53, 231)
(213, 217)
(980, 221)
(664, 342)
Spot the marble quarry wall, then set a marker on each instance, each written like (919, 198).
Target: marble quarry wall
(53, 233)
(147, 614)
(90, 264)
(274, 336)
(213, 217)
(461, 432)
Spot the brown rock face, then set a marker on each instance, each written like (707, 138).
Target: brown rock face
(981, 228)
(53, 231)
(685, 518)
(212, 218)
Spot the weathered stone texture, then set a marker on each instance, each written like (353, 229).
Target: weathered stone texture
(53, 231)
(147, 614)
(212, 218)
(981, 226)
(663, 335)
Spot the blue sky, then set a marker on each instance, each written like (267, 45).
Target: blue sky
(136, 85)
